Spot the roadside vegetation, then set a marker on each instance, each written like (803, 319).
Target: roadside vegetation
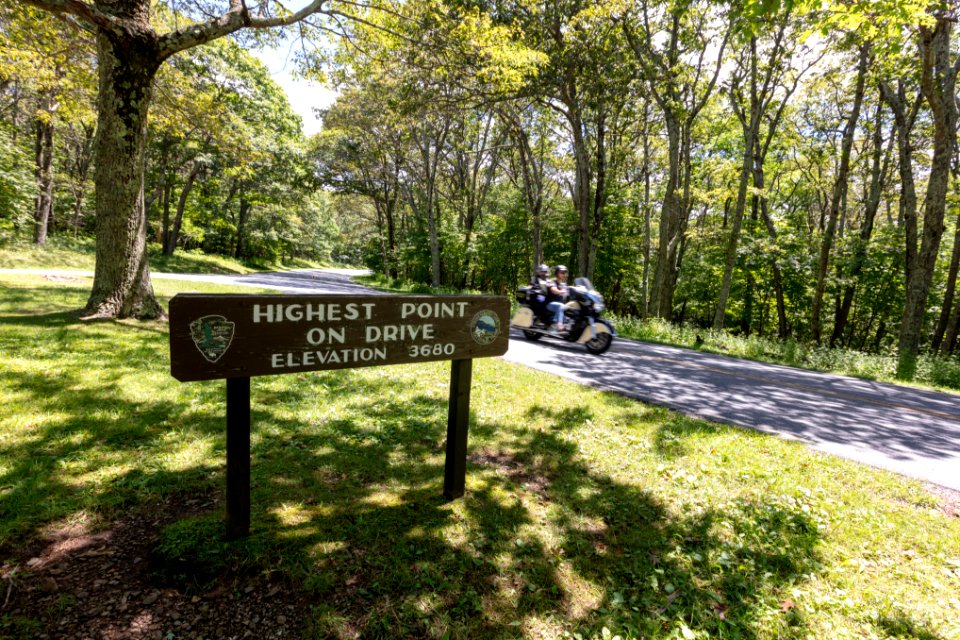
(586, 515)
(935, 372)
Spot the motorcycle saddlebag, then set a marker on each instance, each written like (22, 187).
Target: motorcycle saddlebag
(522, 293)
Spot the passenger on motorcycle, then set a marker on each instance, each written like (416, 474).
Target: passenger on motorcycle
(539, 286)
(556, 297)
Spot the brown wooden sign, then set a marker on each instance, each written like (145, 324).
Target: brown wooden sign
(239, 336)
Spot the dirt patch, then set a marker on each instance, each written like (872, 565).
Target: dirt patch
(949, 500)
(98, 585)
(530, 477)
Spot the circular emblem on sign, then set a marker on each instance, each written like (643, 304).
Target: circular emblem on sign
(212, 335)
(485, 327)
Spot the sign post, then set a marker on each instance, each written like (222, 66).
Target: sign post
(458, 415)
(237, 337)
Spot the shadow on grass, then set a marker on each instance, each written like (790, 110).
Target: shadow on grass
(541, 543)
(349, 505)
(904, 627)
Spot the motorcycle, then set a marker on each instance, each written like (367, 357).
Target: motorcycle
(582, 322)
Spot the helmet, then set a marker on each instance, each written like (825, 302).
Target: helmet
(543, 270)
(559, 269)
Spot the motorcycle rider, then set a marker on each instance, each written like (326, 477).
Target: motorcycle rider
(557, 293)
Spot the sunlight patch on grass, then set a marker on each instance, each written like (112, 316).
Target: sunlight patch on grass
(586, 513)
(292, 514)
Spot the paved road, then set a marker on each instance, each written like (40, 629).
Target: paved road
(910, 431)
(299, 281)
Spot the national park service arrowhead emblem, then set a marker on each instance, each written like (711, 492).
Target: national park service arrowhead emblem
(212, 335)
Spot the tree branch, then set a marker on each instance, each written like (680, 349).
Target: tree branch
(83, 10)
(236, 18)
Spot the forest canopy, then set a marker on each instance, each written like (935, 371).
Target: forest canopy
(773, 167)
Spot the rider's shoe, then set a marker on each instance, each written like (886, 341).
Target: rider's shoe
(557, 328)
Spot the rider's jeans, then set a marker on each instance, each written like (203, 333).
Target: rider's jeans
(557, 308)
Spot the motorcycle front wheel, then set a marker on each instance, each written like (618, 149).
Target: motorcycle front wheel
(599, 344)
(533, 336)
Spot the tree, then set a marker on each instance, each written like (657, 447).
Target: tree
(130, 51)
(52, 62)
(879, 168)
(939, 67)
(838, 195)
(672, 45)
(362, 150)
(764, 67)
(15, 186)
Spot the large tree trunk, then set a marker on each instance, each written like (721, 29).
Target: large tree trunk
(599, 199)
(837, 198)
(952, 323)
(43, 204)
(121, 285)
(939, 90)
(750, 123)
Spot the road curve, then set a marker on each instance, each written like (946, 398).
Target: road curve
(296, 281)
(910, 431)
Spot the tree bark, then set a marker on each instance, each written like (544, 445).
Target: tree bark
(128, 63)
(945, 310)
(878, 172)
(938, 85)
(750, 123)
(645, 206)
(783, 327)
(170, 242)
(839, 190)
(79, 170)
(242, 218)
(669, 227)
(43, 204)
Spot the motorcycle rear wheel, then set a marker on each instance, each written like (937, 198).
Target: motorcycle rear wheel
(599, 344)
(533, 336)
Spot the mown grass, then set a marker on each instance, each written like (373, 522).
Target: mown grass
(79, 255)
(587, 515)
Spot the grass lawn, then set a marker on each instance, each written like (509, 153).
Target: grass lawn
(586, 515)
(66, 253)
